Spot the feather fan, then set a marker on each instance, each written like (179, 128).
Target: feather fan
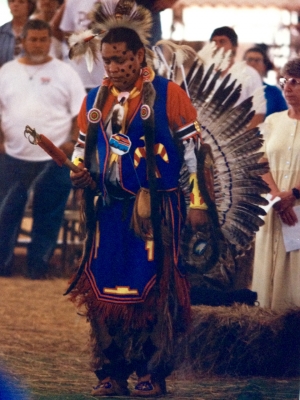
(238, 186)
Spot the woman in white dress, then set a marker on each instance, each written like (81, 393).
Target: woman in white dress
(276, 274)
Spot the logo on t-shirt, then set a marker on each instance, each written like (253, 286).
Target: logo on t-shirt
(45, 80)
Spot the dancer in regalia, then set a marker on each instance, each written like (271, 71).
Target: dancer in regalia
(136, 131)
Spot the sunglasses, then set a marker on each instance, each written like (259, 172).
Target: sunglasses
(291, 81)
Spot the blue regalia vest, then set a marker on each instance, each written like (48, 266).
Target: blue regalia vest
(167, 155)
(121, 269)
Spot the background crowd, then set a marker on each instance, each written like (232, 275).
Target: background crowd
(37, 95)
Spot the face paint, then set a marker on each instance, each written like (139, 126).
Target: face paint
(121, 65)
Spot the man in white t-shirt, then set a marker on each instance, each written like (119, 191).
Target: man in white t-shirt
(45, 94)
(227, 39)
(75, 19)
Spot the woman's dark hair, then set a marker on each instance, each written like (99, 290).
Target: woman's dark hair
(292, 68)
(31, 6)
(125, 35)
(267, 62)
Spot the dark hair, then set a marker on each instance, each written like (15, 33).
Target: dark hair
(292, 68)
(35, 24)
(31, 6)
(226, 31)
(267, 62)
(125, 35)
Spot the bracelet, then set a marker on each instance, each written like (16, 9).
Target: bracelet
(296, 193)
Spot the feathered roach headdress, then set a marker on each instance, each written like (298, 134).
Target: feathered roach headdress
(107, 15)
(122, 14)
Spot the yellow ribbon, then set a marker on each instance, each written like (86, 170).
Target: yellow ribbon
(196, 198)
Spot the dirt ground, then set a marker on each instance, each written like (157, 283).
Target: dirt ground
(45, 352)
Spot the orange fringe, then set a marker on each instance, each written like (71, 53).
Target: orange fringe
(135, 316)
(173, 288)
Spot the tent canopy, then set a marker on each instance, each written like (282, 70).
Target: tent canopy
(291, 5)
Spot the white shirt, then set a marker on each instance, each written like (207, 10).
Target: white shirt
(46, 97)
(75, 19)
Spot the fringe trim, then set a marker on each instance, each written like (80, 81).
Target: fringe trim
(87, 208)
(134, 316)
(169, 303)
(166, 309)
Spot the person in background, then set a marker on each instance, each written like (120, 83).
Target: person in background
(73, 16)
(276, 272)
(46, 10)
(226, 38)
(155, 7)
(11, 46)
(46, 94)
(259, 60)
(10, 33)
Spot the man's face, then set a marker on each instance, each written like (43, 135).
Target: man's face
(223, 42)
(37, 45)
(121, 65)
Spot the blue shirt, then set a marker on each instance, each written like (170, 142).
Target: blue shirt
(7, 43)
(274, 99)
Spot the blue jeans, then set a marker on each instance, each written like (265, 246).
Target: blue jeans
(51, 186)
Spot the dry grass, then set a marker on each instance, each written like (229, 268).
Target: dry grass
(44, 344)
(43, 340)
